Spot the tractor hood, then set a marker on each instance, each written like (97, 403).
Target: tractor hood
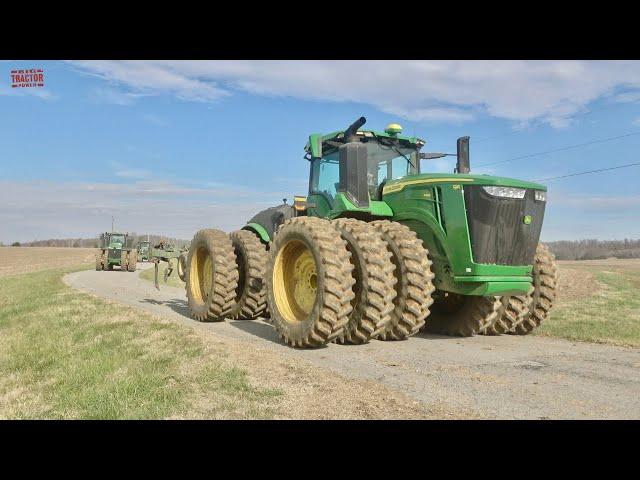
(399, 184)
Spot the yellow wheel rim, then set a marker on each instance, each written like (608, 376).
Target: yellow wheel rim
(295, 281)
(201, 274)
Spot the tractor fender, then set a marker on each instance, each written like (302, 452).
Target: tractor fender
(259, 230)
(266, 222)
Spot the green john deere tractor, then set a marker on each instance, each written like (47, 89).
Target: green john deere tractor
(143, 250)
(114, 249)
(380, 250)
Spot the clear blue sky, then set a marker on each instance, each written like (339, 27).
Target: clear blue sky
(171, 147)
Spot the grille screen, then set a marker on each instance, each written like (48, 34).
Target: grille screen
(496, 225)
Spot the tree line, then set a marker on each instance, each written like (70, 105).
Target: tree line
(132, 240)
(591, 249)
(587, 249)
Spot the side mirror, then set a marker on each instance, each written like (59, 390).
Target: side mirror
(433, 155)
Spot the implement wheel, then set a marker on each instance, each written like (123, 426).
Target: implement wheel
(463, 315)
(212, 275)
(251, 257)
(309, 282)
(414, 280)
(543, 293)
(373, 274)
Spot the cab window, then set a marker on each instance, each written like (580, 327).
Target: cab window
(325, 176)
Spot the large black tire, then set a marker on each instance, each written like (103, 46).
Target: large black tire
(463, 315)
(212, 275)
(543, 293)
(513, 310)
(414, 280)
(182, 266)
(124, 261)
(309, 282)
(374, 281)
(251, 257)
(99, 261)
(133, 261)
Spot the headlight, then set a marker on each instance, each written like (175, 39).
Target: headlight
(505, 192)
(541, 196)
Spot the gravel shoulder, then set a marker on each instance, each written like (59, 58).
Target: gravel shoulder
(487, 377)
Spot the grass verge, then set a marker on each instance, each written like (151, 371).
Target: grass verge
(65, 354)
(611, 315)
(172, 281)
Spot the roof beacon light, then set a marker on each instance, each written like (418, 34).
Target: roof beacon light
(393, 129)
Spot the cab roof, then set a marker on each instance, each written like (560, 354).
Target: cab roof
(316, 140)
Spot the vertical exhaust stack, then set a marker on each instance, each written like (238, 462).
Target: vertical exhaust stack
(350, 132)
(353, 167)
(463, 166)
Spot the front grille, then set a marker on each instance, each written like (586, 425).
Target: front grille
(498, 233)
(115, 253)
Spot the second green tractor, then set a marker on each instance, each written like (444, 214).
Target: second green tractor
(114, 249)
(379, 249)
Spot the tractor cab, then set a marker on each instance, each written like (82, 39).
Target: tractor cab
(369, 159)
(143, 250)
(113, 240)
(117, 240)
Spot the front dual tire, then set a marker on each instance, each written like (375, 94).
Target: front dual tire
(516, 315)
(309, 281)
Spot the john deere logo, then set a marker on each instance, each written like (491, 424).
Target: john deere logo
(527, 219)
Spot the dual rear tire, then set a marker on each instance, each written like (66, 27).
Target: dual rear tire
(212, 276)
(224, 275)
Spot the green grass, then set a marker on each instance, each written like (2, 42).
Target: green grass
(611, 315)
(172, 281)
(65, 354)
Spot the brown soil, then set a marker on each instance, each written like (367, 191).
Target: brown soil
(575, 283)
(14, 260)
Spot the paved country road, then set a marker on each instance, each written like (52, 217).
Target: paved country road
(494, 377)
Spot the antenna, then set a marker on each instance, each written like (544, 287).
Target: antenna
(112, 220)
